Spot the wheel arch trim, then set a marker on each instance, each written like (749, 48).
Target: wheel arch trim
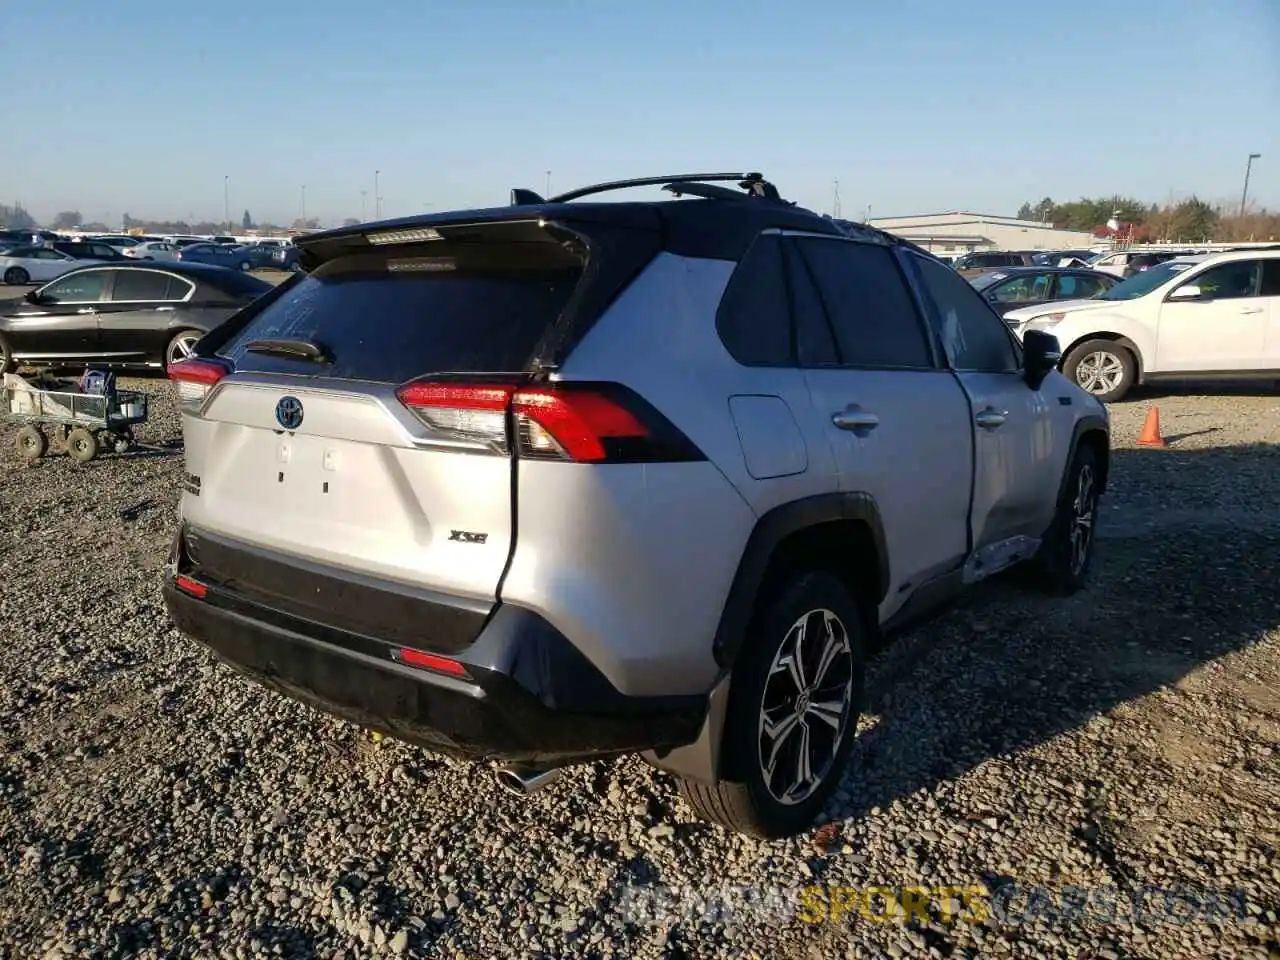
(772, 529)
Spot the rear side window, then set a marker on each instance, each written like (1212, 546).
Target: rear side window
(139, 285)
(390, 320)
(867, 302)
(753, 320)
(1271, 278)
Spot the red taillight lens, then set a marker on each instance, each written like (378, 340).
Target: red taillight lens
(581, 422)
(193, 379)
(573, 424)
(429, 661)
(187, 585)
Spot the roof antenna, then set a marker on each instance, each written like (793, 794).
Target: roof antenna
(525, 198)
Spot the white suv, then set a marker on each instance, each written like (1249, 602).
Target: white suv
(1214, 316)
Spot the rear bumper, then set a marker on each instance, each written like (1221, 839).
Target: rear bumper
(526, 694)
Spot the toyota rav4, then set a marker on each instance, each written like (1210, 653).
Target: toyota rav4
(568, 480)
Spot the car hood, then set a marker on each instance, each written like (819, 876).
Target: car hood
(1059, 306)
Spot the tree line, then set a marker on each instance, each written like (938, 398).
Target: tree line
(1192, 220)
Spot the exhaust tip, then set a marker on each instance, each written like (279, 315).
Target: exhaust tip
(524, 782)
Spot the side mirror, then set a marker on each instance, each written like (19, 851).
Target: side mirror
(1188, 292)
(31, 296)
(1040, 356)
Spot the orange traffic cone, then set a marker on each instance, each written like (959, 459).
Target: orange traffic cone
(1150, 436)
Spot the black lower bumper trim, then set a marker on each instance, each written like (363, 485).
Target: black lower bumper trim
(530, 697)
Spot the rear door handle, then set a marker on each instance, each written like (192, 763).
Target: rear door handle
(991, 418)
(854, 417)
(86, 310)
(1250, 309)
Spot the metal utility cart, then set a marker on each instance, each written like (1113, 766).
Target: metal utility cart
(80, 424)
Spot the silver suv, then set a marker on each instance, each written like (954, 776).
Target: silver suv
(563, 481)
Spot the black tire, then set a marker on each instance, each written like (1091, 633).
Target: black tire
(746, 800)
(32, 444)
(6, 357)
(1109, 369)
(16, 275)
(82, 446)
(1062, 564)
(174, 352)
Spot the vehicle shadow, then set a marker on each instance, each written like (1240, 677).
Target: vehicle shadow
(1180, 580)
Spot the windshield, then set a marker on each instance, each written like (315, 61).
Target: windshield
(1143, 283)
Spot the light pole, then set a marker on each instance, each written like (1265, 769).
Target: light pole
(377, 196)
(226, 200)
(1245, 192)
(364, 206)
(304, 202)
(547, 190)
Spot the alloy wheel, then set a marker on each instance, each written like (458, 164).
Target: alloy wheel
(1100, 372)
(1082, 515)
(805, 707)
(183, 347)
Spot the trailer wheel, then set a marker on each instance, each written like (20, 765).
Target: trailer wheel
(82, 445)
(32, 444)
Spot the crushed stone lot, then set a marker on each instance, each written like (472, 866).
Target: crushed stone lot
(1124, 744)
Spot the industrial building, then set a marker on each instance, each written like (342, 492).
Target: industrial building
(952, 234)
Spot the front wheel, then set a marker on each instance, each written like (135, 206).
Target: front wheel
(796, 694)
(1103, 368)
(16, 275)
(1062, 564)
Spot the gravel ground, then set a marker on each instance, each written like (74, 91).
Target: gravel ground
(154, 804)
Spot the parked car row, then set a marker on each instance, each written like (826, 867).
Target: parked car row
(1202, 317)
(39, 262)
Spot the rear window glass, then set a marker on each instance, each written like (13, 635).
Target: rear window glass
(240, 284)
(391, 320)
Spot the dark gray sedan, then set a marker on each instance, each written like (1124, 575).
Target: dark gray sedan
(122, 314)
(1019, 287)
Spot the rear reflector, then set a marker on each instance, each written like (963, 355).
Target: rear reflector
(429, 661)
(187, 585)
(574, 421)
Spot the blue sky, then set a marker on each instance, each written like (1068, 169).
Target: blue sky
(914, 106)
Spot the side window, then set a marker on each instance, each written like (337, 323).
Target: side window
(178, 288)
(139, 285)
(868, 304)
(83, 287)
(972, 335)
(1023, 289)
(1075, 287)
(752, 319)
(1230, 281)
(1271, 278)
(46, 254)
(815, 342)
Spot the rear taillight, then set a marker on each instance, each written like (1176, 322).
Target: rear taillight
(194, 379)
(579, 422)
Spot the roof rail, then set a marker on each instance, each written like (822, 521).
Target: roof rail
(696, 184)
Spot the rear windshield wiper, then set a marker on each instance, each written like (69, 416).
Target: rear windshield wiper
(292, 349)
